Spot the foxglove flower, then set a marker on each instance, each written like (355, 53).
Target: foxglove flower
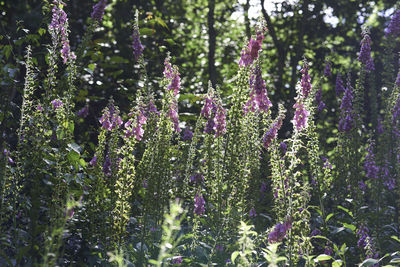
(300, 116)
(171, 73)
(215, 115)
(177, 260)
(209, 105)
(187, 135)
(318, 99)
(58, 28)
(173, 115)
(370, 167)
(364, 237)
(279, 232)
(365, 53)
(388, 180)
(57, 103)
(250, 53)
(271, 134)
(84, 112)
(136, 44)
(98, 10)
(199, 204)
(107, 166)
(305, 80)
(110, 119)
(327, 70)
(93, 161)
(151, 108)
(220, 122)
(394, 25)
(283, 148)
(137, 130)
(339, 85)
(197, 178)
(258, 96)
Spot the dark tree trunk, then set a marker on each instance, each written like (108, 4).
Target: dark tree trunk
(246, 18)
(212, 36)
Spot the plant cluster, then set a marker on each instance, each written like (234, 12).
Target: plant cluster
(225, 191)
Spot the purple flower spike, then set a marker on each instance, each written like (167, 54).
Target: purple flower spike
(107, 166)
(339, 85)
(187, 135)
(137, 130)
(173, 115)
(57, 103)
(172, 74)
(365, 53)
(394, 26)
(136, 44)
(283, 147)
(279, 232)
(93, 161)
(110, 119)
(259, 95)
(199, 204)
(300, 116)
(271, 134)
(318, 99)
(84, 112)
(327, 70)
(250, 53)
(370, 167)
(305, 80)
(98, 10)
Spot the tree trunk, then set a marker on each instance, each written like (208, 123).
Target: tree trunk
(212, 36)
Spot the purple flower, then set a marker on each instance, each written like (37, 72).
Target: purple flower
(110, 119)
(326, 162)
(199, 204)
(173, 115)
(394, 25)
(107, 166)
(365, 53)
(328, 250)
(197, 178)
(279, 232)
(57, 103)
(151, 108)
(136, 44)
(93, 161)
(187, 135)
(318, 99)
(362, 186)
(305, 80)
(252, 212)
(208, 107)
(364, 238)
(283, 147)
(370, 166)
(271, 134)
(98, 10)
(327, 70)
(347, 99)
(137, 130)
(177, 260)
(84, 112)
(172, 74)
(339, 85)
(258, 96)
(346, 123)
(315, 232)
(300, 116)
(58, 29)
(215, 115)
(250, 53)
(219, 247)
(388, 180)
(39, 108)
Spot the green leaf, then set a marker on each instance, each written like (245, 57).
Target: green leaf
(161, 22)
(145, 31)
(345, 210)
(368, 262)
(323, 257)
(349, 226)
(395, 238)
(337, 263)
(7, 50)
(41, 31)
(329, 216)
(234, 256)
(75, 147)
